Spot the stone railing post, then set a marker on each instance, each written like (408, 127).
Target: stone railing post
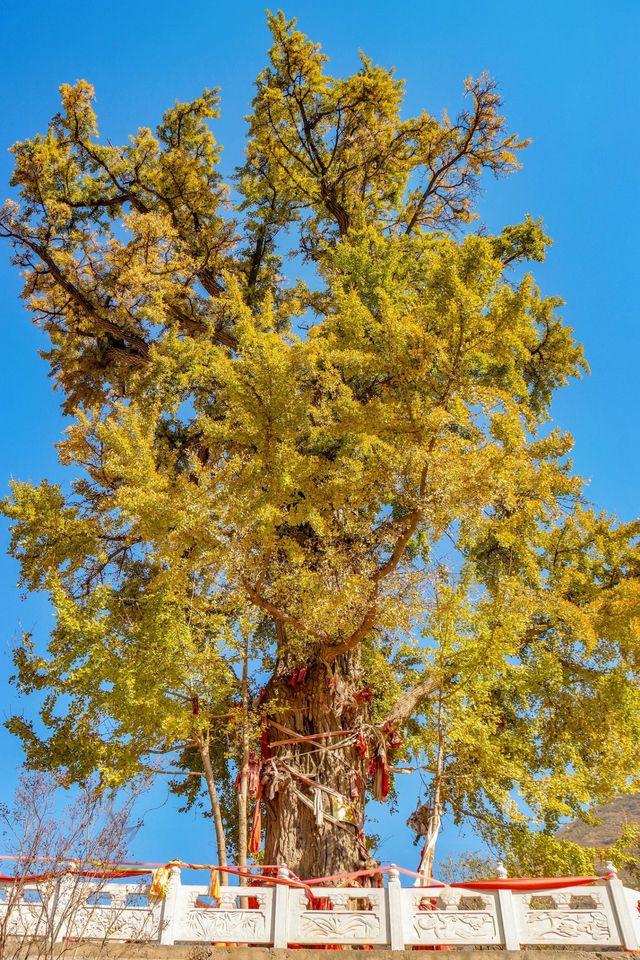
(62, 908)
(509, 920)
(508, 916)
(621, 909)
(395, 929)
(281, 910)
(170, 908)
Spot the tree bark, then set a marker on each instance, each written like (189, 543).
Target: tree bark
(314, 790)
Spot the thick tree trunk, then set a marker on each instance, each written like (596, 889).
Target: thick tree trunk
(314, 790)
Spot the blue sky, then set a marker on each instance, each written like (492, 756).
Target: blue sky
(569, 73)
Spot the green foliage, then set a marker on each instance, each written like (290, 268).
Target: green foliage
(466, 866)
(383, 483)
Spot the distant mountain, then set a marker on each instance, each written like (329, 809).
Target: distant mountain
(614, 817)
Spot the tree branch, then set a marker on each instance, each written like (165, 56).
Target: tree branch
(281, 616)
(407, 703)
(138, 351)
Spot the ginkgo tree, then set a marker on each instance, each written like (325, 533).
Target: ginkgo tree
(353, 470)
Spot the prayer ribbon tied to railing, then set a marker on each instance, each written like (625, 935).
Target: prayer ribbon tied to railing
(271, 875)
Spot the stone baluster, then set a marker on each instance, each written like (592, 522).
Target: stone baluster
(395, 919)
(281, 910)
(621, 909)
(508, 916)
(171, 906)
(62, 908)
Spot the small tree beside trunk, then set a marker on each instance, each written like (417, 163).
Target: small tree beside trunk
(49, 841)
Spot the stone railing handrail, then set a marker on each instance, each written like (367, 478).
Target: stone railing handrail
(602, 915)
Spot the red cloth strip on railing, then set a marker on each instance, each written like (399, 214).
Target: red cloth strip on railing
(55, 874)
(291, 881)
(140, 863)
(94, 863)
(316, 881)
(529, 883)
(511, 883)
(35, 878)
(110, 874)
(143, 868)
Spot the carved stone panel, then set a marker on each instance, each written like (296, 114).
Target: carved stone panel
(110, 915)
(449, 916)
(112, 923)
(444, 926)
(229, 921)
(580, 916)
(347, 922)
(229, 926)
(22, 919)
(332, 925)
(633, 904)
(567, 926)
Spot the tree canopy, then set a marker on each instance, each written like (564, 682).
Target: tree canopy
(345, 485)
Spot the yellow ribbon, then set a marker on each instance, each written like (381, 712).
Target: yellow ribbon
(214, 885)
(159, 883)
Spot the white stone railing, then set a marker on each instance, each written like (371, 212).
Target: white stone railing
(601, 915)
